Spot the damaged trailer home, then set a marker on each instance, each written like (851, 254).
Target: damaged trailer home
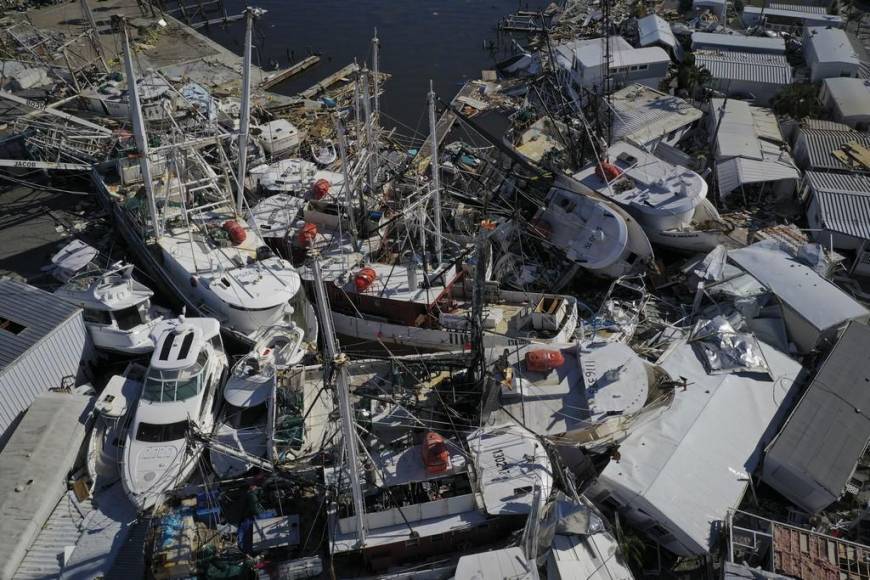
(813, 459)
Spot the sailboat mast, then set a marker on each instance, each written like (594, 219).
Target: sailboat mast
(339, 364)
(93, 34)
(245, 110)
(436, 174)
(139, 130)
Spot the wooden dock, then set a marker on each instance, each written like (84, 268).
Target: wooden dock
(313, 91)
(293, 70)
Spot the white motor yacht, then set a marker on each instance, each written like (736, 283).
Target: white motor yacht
(178, 396)
(593, 232)
(295, 176)
(117, 309)
(668, 201)
(247, 418)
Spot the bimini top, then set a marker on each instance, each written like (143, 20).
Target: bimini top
(647, 184)
(181, 341)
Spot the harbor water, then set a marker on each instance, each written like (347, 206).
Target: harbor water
(446, 41)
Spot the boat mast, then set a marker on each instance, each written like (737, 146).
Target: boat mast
(139, 130)
(436, 174)
(245, 110)
(338, 361)
(348, 199)
(93, 34)
(376, 75)
(371, 145)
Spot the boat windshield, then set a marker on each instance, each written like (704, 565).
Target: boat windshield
(245, 417)
(175, 385)
(130, 318)
(161, 433)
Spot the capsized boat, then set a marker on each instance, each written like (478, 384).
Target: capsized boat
(668, 201)
(247, 418)
(117, 308)
(178, 399)
(593, 232)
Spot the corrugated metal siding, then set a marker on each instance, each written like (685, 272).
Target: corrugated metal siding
(805, 8)
(63, 528)
(745, 66)
(58, 354)
(820, 144)
(845, 213)
(39, 311)
(844, 202)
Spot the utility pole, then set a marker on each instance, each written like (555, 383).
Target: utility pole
(338, 362)
(436, 175)
(139, 130)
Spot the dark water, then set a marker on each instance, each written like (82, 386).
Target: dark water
(440, 40)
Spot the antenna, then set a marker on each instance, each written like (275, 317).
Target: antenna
(376, 43)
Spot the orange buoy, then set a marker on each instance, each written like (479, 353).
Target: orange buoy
(436, 458)
(607, 171)
(235, 230)
(307, 234)
(543, 361)
(320, 189)
(364, 278)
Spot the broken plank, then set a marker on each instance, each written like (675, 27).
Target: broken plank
(293, 70)
(311, 92)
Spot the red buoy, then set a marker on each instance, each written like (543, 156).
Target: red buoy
(436, 458)
(364, 278)
(307, 234)
(320, 188)
(607, 171)
(543, 361)
(236, 231)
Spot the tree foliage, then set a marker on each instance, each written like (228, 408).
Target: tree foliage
(797, 101)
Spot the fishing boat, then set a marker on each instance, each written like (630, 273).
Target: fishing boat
(297, 177)
(178, 401)
(192, 239)
(668, 201)
(593, 233)
(247, 417)
(117, 309)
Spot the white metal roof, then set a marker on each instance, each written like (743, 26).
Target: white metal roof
(829, 45)
(806, 17)
(775, 165)
(653, 28)
(688, 467)
(798, 286)
(851, 96)
(844, 202)
(712, 40)
(39, 312)
(825, 436)
(745, 66)
(34, 466)
(820, 144)
(642, 114)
